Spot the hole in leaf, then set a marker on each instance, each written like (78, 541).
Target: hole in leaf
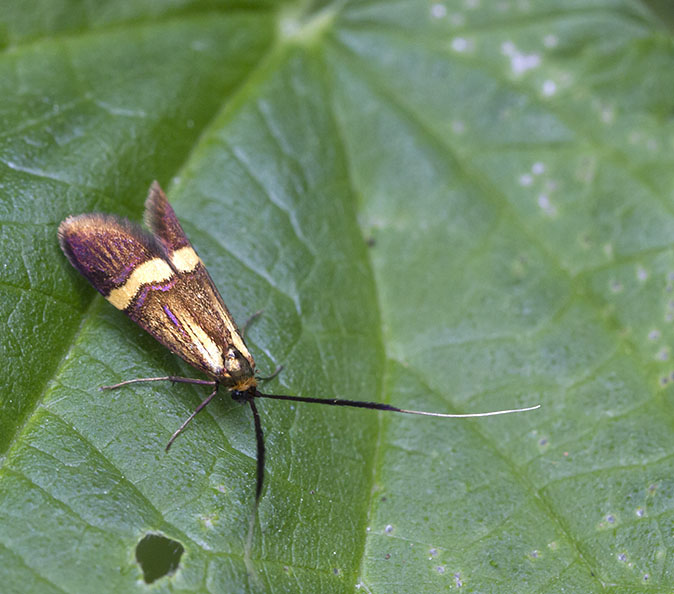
(158, 556)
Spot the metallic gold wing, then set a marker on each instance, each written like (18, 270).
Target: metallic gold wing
(160, 282)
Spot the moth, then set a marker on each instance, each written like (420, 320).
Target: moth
(158, 280)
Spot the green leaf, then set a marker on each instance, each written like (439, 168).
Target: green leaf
(453, 207)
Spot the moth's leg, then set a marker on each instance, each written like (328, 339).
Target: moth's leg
(272, 376)
(259, 482)
(259, 439)
(194, 414)
(244, 329)
(248, 322)
(167, 378)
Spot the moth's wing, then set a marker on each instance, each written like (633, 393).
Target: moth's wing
(128, 267)
(161, 219)
(107, 250)
(167, 292)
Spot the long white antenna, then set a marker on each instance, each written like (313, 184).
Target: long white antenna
(381, 406)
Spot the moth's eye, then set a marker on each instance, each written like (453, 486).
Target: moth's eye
(231, 355)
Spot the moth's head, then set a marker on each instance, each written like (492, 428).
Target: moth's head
(237, 365)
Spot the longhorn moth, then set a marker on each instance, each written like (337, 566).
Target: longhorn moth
(159, 281)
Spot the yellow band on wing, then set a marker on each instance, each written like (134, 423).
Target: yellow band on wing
(209, 351)
(185, 259)
(152, 271)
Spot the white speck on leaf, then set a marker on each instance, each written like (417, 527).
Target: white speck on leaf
(508, 48)
(199, 46)
(662, 354)
(616, 286)
(458, 127)
(460, 44)
(607, 115)
(438, 11)
(550, 40)
(546, 206)
(549, 88)
(519, 62)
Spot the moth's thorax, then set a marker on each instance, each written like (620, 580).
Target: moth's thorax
(245, 384)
